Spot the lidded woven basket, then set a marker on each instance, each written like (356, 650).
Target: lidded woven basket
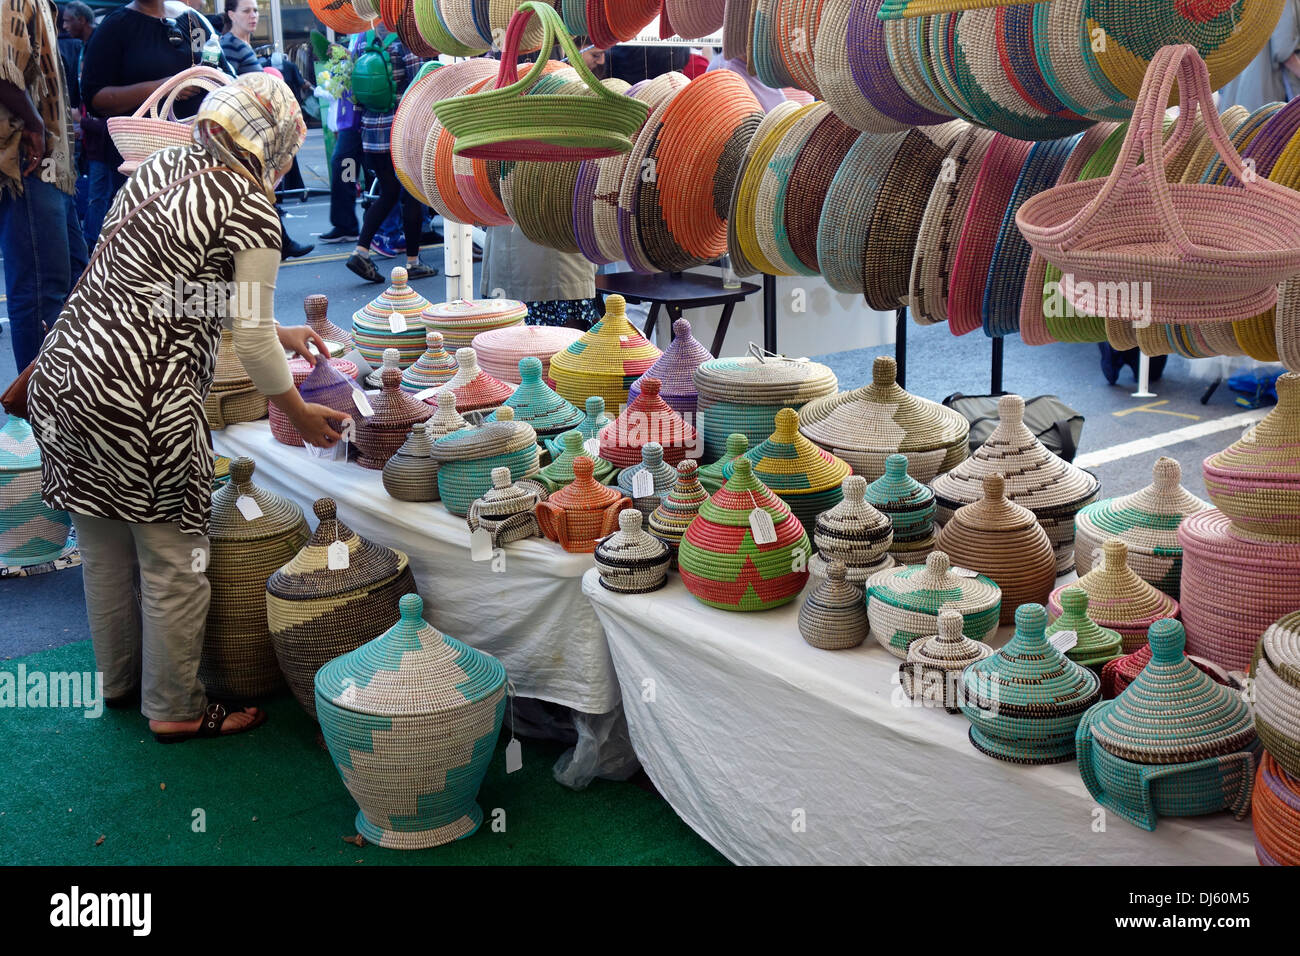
(593, 421)
(1048, 485)
(605, 361)
(316, 308)
(30, 532)
(648, 419)
(909, 505)
(238, 658)
(903, 603)
(379, 436)
(501, 350)
(466, 458)
(1173, 744)
(1122, 671)
(711, 476)
(662, 475)
(867, 425)
(744, 395)
(1276, 673)
(475, 389)
(315, 613)
(446, 418)
(834, 616)
(392, 359)
(507, 511)
(932, 671)
(412, 474)
(460, 321)
(720, 562)
(675, 370)
(581, 513)
(538, 404)
(1275, 814)
(1118, 599)
(806, 477)
(1255, 481)
(1024, 701)
(678, 508)
(1004, 541)
(853, 533)
(1095, 646)
(560, 471)
(338, 393)
(1147, 522)
(435, 368)
(233, 398)
(630, 561)
(411, 721)
(373, 324)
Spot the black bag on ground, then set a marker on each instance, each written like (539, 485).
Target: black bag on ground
(1054, 423)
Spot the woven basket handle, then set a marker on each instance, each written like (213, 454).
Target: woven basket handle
(1238, 803)
(202, 76)
(554, 29)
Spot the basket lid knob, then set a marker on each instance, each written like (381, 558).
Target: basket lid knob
(1287, 387)
(1074, 601)
(241, 469)
(1167, 639)
(743, 468)
(433, 341)
(737, 444)
(505, 414)
(412, 607)
(325, 509)
(854, 488)
(500, 477)
(615, 307)
(392, 379)
(652, 454)
(399, 276)
(837, 572)
(629, 520)
(687, 468)
(938, 563)
(467, 359)
(530, 369)
(1167, 473)
(1115, 554)
(884, 371)
(572, 441)
(787, 426)
(315, 306)
(583, 467)
(1031, 619)
(650, 387)
(1011, 409)
(896, 466)
(595, 407)
(446, 399)
(392, 358)
(950, 624)
(681, 329)
(995, 487)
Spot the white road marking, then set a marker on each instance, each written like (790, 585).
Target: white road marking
(1164, 439)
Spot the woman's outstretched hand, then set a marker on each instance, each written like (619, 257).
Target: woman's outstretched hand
(320, 425)
(299, 339)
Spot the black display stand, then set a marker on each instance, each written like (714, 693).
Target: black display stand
(900, 354)
(678, 291)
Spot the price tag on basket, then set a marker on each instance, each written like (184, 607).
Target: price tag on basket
(592, 447)
(396, 322)
(643, 485)
(764, 530)
(964, 572)
(248, 507)
(480, 545)
(426, 394)
(362, 401)
(338, 557)
(1064, 641)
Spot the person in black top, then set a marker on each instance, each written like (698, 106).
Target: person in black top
(69, 53)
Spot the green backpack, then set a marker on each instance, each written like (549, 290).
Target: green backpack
(373, 85)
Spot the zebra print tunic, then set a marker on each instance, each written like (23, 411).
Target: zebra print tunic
(116, 398)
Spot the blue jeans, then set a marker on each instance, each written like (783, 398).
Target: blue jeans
(104, 184)
(44, 253)
(343, 188)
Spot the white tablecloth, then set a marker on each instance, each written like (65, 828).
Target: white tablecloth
(776, 752)
(533, 615)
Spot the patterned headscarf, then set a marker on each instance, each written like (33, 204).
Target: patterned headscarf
(253, 124)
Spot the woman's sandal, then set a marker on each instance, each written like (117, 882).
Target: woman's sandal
(214, 717)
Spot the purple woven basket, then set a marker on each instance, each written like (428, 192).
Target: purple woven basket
(869, 65)
(584, 210)
(675, 369)
(1267, 145)
(1016, 26)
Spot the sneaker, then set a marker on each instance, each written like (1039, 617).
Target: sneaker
(337, 235)
(383, 247)
(420, 271)
(294, 250)
(364, 267)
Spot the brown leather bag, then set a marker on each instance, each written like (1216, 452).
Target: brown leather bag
(14, 399)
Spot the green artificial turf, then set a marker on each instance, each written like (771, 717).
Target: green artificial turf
(272, 796)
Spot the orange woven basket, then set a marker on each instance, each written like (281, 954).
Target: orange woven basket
(627, 18)
(339, 16)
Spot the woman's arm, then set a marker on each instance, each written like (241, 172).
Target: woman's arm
(258, 346)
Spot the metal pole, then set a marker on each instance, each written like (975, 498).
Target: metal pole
(900, 345)
(277, 27)
(998, 344)
(1144, 378)
(769, 312)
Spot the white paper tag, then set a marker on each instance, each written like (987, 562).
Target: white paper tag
(338, 557)
(643, 484)
(622, 338)
(362, 402)
(396, 322)
(426, 394)
(964, 572)
(760, 523)
(592, 447)
(514, 755)
(1064, 641)
(248, 507)
(480, 545)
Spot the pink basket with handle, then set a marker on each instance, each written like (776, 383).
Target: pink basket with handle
(154, 125)
(1169, 252)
